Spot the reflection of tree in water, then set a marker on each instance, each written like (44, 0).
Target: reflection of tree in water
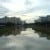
(43, 33)
(10, 30)
(14, 30)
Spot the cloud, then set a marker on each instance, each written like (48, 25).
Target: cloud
(26, 6)
(29, 8)
(14, 5)
(4, 0)
(3, 11)
(28, 2)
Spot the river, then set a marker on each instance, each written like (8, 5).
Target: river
(28, 39)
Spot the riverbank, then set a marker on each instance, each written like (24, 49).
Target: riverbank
(9, 30)
(42, 28)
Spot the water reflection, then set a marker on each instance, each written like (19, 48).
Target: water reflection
(21, 42)
(26, 31)
(42, 33)
(13, 30)
(27, 39)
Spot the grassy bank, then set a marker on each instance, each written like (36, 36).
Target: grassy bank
(43, 28)
(9, 30)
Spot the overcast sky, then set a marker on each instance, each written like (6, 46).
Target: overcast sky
(25, 9)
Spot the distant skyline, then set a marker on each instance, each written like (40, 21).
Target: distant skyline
(28, 10)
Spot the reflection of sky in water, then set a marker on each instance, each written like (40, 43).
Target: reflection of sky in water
(24, 42)
(30, 33)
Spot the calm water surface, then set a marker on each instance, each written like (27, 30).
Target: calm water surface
(28, 39)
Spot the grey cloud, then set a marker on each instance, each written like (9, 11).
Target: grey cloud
(45, 1)
(34, 9)
(5, 0)
(3, 11)
(27, 2)
(43, 4)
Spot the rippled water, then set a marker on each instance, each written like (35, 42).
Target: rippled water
(28, 39)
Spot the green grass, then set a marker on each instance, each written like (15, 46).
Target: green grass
(6, 30)
(42, 28)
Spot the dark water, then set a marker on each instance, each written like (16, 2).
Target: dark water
(26, 39)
